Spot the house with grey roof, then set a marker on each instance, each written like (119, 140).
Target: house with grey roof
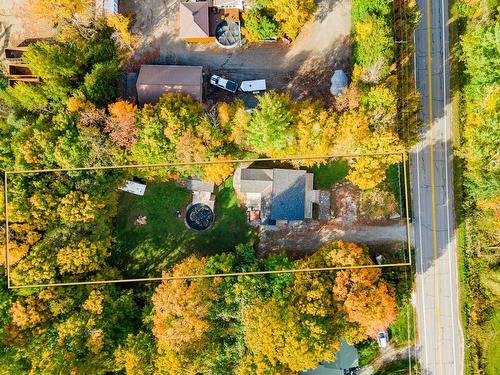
(276, 195)
(346, 362)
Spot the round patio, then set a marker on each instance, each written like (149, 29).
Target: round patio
(228, 34)
(199, 217)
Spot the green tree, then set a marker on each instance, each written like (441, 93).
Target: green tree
(101, 84)
(481, 53)
(259, 25)
(136, 354)
(292, 14)
(171, 131)
(270, 130)
(25, 96)
(373, 49)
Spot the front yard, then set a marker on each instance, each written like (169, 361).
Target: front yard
(151, 248)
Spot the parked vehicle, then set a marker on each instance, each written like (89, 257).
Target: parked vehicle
(382, 339)
(224, 83)
(254, 86)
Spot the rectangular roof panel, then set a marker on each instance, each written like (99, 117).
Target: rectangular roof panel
(156, 80)
(289, 194)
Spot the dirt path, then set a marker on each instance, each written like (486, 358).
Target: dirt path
(388, 355)
(304, 239)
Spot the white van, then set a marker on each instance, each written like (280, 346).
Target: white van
(255, 86)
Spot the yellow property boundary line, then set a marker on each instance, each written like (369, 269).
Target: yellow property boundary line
(211, 276)
(116, 281)
(139, 166)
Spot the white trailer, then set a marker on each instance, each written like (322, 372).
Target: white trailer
(255, 86)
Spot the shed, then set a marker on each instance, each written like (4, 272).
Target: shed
(194, 21)
(156, 80)
(339, 82)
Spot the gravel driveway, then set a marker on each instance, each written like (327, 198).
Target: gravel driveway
(302, 68)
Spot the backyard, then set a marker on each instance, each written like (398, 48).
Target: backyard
(148, 249)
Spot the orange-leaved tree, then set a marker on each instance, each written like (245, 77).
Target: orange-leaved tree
(181, 307)
(360, 296)
(122, 124)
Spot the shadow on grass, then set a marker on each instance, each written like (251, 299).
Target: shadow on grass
(325, 175)
(147, 250)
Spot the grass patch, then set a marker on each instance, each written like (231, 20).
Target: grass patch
(368, 351)
(325, 175)
(147, 250)
(492, 345)
(394, 183)
(397, 367)
(401, 331)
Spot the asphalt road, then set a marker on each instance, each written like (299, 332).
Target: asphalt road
(440, 337)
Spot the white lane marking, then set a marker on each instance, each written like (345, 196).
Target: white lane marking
(424, 328)
(446, 124)
(419, 220)
(426, 356)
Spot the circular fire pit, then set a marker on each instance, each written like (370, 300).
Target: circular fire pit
(227, 34)
(199, 217)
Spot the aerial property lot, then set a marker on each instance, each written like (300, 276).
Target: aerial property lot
(272, 206)
(204, 188)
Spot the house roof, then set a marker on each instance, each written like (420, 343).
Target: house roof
(156, 80)
(194, 20)
(256, 180)
(346, 358)
(289, 194)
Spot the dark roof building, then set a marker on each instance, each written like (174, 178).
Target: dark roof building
(156, 80)
(289, 194)
(346, 358)
(256, 180)
(284, 189)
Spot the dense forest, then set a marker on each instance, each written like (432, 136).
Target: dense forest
(61, 224)
(477, 74)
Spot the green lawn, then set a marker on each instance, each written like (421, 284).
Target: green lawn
(368, 350)
(398, 367)
(401, 331)
(147, 250)
(492, 344)
(327, 174)
(394, 183)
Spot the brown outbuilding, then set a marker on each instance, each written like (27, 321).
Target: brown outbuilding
(156, 80)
